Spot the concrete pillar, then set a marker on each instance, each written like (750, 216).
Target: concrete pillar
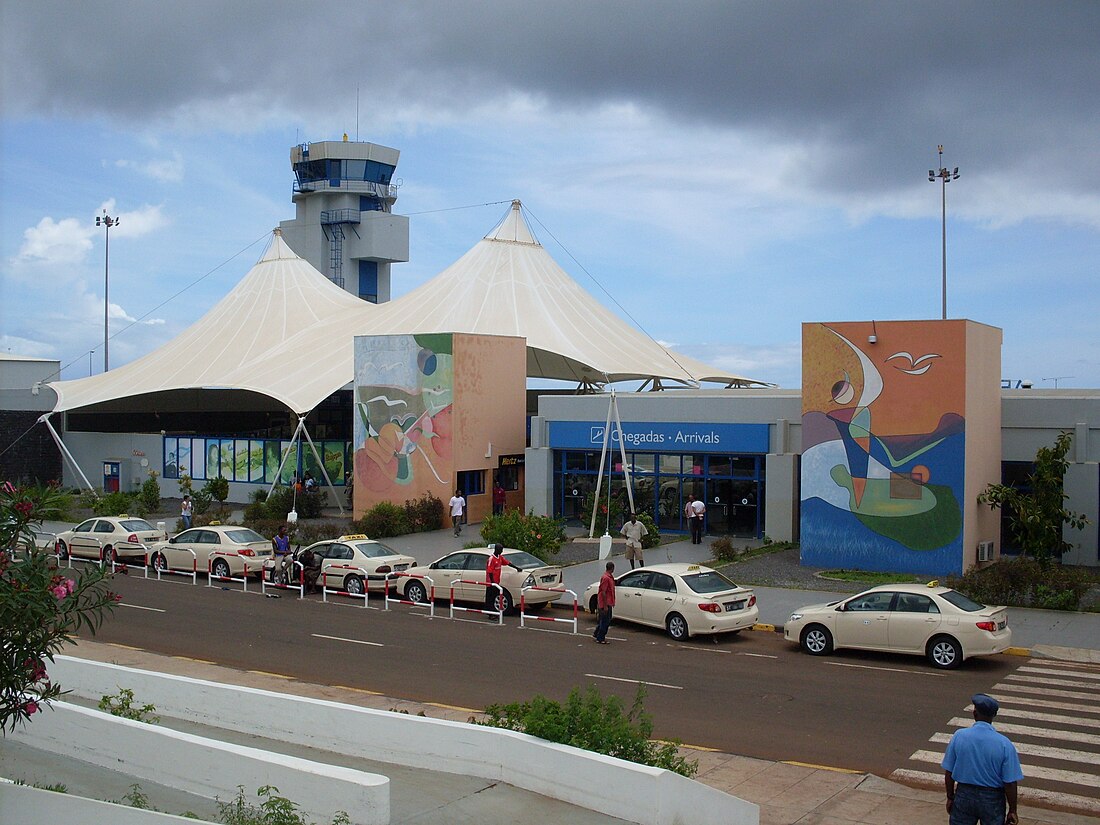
(781, 497)
(1081, 485)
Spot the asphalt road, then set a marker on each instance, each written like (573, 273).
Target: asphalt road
(751, 694)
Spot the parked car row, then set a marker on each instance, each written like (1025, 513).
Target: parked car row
(684, 599)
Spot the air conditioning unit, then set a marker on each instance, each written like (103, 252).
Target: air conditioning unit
(985, 551)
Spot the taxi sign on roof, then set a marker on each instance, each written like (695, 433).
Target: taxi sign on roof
(693, 567)
(352, 537)
(122, 515)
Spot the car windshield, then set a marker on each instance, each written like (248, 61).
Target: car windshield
(524, 561)
(375, 549)
(962, 602)
(135, 524)
(708, 581)
(242, 535)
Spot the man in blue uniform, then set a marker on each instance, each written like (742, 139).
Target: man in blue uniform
(980, 771)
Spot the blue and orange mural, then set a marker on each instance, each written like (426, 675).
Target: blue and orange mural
(883, 446)
(404, 402)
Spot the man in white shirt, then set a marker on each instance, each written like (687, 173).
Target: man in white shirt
(458, 509)
(634, 531)
(694, 511)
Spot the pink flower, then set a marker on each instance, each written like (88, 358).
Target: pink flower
(63, 589)
(25, 508)
(30, 708)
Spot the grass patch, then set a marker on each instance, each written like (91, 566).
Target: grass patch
(870, 576)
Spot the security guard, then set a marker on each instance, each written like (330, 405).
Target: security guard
(981, 769)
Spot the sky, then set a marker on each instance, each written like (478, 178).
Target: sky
(718, 172)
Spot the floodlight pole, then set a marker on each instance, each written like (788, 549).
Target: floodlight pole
(945, 176)
(106, 221)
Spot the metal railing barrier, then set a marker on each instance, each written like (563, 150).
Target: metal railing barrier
(325, 589)
(212, 559)
(524, 615)
(193, 573)
(388, 600)
(498, 613)
(300, 586)
(143, 566)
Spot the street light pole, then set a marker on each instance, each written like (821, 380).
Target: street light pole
(945, 176)
(106, 221)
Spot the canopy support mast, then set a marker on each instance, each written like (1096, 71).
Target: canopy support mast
(45, 419)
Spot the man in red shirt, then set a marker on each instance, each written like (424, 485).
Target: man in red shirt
(605, 601)
(492, 576)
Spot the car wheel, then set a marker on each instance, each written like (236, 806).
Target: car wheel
(593, 605)
(677, 627)
(62, 550)
(220, 569)
(159, 562)
(817, 640)
(354, 585)
(503, 601)
(415, 592)
(945, 653)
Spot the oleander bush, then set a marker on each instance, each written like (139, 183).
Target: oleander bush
(1024, 582)
(383, 520)
(541, 536)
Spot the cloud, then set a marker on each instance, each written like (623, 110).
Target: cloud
(16, 345)
(168, 170)
(67, 241)
(118, 313)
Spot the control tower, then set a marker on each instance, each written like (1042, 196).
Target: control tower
(344, 223)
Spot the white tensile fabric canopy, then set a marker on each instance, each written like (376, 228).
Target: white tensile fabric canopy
(286, 331)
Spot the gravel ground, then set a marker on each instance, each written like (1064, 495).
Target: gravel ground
(782, 569)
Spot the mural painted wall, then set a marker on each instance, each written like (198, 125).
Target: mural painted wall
(884, 445)
(404, 411)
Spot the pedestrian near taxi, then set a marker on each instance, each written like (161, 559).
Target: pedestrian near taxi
(186, 511)
(492, 576)
(634, 531)
(605, 602)
(981, 770)
(458, 509)
(500, 499)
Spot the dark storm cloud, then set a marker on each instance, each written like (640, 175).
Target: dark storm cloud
(868, 88)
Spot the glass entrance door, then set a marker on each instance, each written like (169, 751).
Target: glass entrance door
(732, 507)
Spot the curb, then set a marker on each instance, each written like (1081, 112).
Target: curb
(1017, 651)
(768, 628)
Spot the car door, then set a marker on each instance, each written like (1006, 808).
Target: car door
(913, 620)
(865, 621)
(629, 593)
(447, 570)
(658, 598)
(206, 542)
(176, 551)
(321, 552)
(339, 556)
(83, 543)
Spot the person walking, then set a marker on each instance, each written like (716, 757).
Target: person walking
(500, 498)
(694, 511)
(981, 770)
(187, 509)
(492, 576)
(458, 509)
(634, 531)
(605, 601)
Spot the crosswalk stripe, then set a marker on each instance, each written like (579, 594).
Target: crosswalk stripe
(1044, 751)
(1028, 730)
(1065, 694)
(1025, 793)
(1075, 674)
(1042, 703)
(1030, 771)
(1031, 680)
(1056, 718)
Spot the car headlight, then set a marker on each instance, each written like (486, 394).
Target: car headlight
(529, 581)
(795, 617)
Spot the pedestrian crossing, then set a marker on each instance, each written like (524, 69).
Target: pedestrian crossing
(1051, 712)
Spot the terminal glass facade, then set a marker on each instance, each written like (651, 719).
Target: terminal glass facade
(732, 486)
(254, 460)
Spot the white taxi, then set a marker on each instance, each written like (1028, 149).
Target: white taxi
(685, 599)
(223, 549)
(523, 570)
(937, 622)
(108, 538)
(344, 560)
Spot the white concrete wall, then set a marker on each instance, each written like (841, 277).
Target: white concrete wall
(612, 786)
(24, 805)
(206, 767)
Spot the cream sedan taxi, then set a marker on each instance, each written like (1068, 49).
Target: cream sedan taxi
(343, 562)
(108, 538)
(937, 622)
(685, 599)
(223, 549)
(464, 566)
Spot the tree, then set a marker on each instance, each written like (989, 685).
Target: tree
(1037, 516)
(40, 606)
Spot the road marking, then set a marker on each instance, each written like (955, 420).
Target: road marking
(269, 673)
(192, 659)
(1047, 681)
(1036, 771)
(1080, 721)
(1043, 751)
(634, 681)
(1048, 672)
(451, 707)
(126, 647)
(1004, 698)
(139, 607)
(757, 655)
(889, 669)
(342, 639)
(1051, 797)
(703, 649)
(1028, 730)
(1065, 694)
(818, 767)
(359, 690)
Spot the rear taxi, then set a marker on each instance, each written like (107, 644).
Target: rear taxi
(927, 620)
(351, 563)
(223, 549)
(465, 566)
(108, 538)
(684, 599)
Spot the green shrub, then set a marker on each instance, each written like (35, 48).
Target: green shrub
(723, 549)
(201, 500)
(618, 511)
(114, 504)
(218, 489)
(1024, 582)
(150, 493)
(383, 520)
(589, 721)
(264, 507)
(272, 810)
(653, 537)
(540, 536)
(424, 514)
(122, 704)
